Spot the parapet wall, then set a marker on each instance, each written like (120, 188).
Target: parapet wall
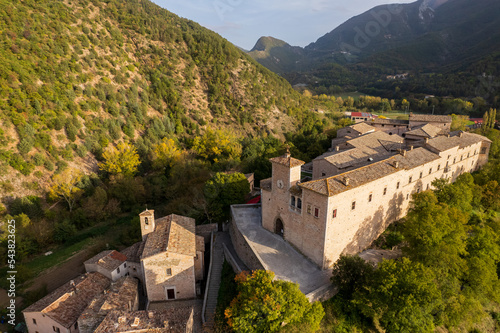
(242, 246)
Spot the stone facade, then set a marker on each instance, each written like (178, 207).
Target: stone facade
(169, 276)
(344, 213)
(172, 257)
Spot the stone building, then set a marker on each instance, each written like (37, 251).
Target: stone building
(176, 320)
(59, 311)
(112, 264)
(396, 126)
(171, 257)
(344, 211)
(120, 296)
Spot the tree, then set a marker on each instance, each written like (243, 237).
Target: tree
(122, 160)
(215, 145)
(436, 234)
(402, 296)
(458, 122)
(224, 190)
(264, 305)
(350, 274)
(65, 185)
(165, 154)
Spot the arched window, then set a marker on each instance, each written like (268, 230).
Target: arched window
(146, 220)
(299, 203)
(292, 201)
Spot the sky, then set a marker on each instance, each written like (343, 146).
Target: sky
(298, 22)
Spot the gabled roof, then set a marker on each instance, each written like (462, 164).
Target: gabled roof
(360, 176)
(66, 303)
(443, 143)
(363, 128)
(109, 260)
(426, 131)
(429, 118)
(173, 233)
(147, 213)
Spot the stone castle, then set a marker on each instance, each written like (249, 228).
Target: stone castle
(363, 183)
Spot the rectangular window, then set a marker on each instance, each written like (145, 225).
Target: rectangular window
(299, 203)
(316, 212)
(439, 167)
(409, 181)
(385, 190)
(308, 209)
(397, 186)
(421, 174)
(292, 201)
(76, 325)
(370, 198)
(34, 321)
(407, 196)
(169, 271)
(430, 171)
(334, 215)
(454, 160)
(125, 265)
(118, 270)
(353, 206)
(427, 186)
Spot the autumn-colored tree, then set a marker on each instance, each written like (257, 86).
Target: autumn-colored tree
(165, 154)
(122, 160)
(65, 186)
(216, 145)
(264, 305)
(458, 122)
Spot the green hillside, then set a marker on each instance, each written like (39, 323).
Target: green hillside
(78, 76)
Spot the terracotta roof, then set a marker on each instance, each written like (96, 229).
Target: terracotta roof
(172, 320)
(109, 260)
(120, 296)
(66, 303)
(336, 184)
(429, 118)
(173, 233)
(287, 160)
(426, 131)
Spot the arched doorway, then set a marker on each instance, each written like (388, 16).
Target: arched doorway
(280, 229)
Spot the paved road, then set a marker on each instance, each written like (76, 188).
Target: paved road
(278, 255)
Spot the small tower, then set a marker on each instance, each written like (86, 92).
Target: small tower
(147, 222)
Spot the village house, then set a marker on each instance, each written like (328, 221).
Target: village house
(112, 264)
(171, 258)
(357, 192)
(59, 311)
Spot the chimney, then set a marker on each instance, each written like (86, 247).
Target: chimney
(403, 152)
(337, 148)
(426, 140)
(461, 134)
(150, 314)
(396, 164)
(73, 286)
(411, 147)
(346, 181)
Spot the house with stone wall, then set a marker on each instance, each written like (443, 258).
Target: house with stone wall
(59, 311)
(109, 263)
(344, 212)
(171, 257)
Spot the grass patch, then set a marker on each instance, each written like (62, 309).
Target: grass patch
(227, 292)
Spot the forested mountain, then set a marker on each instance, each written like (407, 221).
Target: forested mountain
(456, 39)
(78, 76)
